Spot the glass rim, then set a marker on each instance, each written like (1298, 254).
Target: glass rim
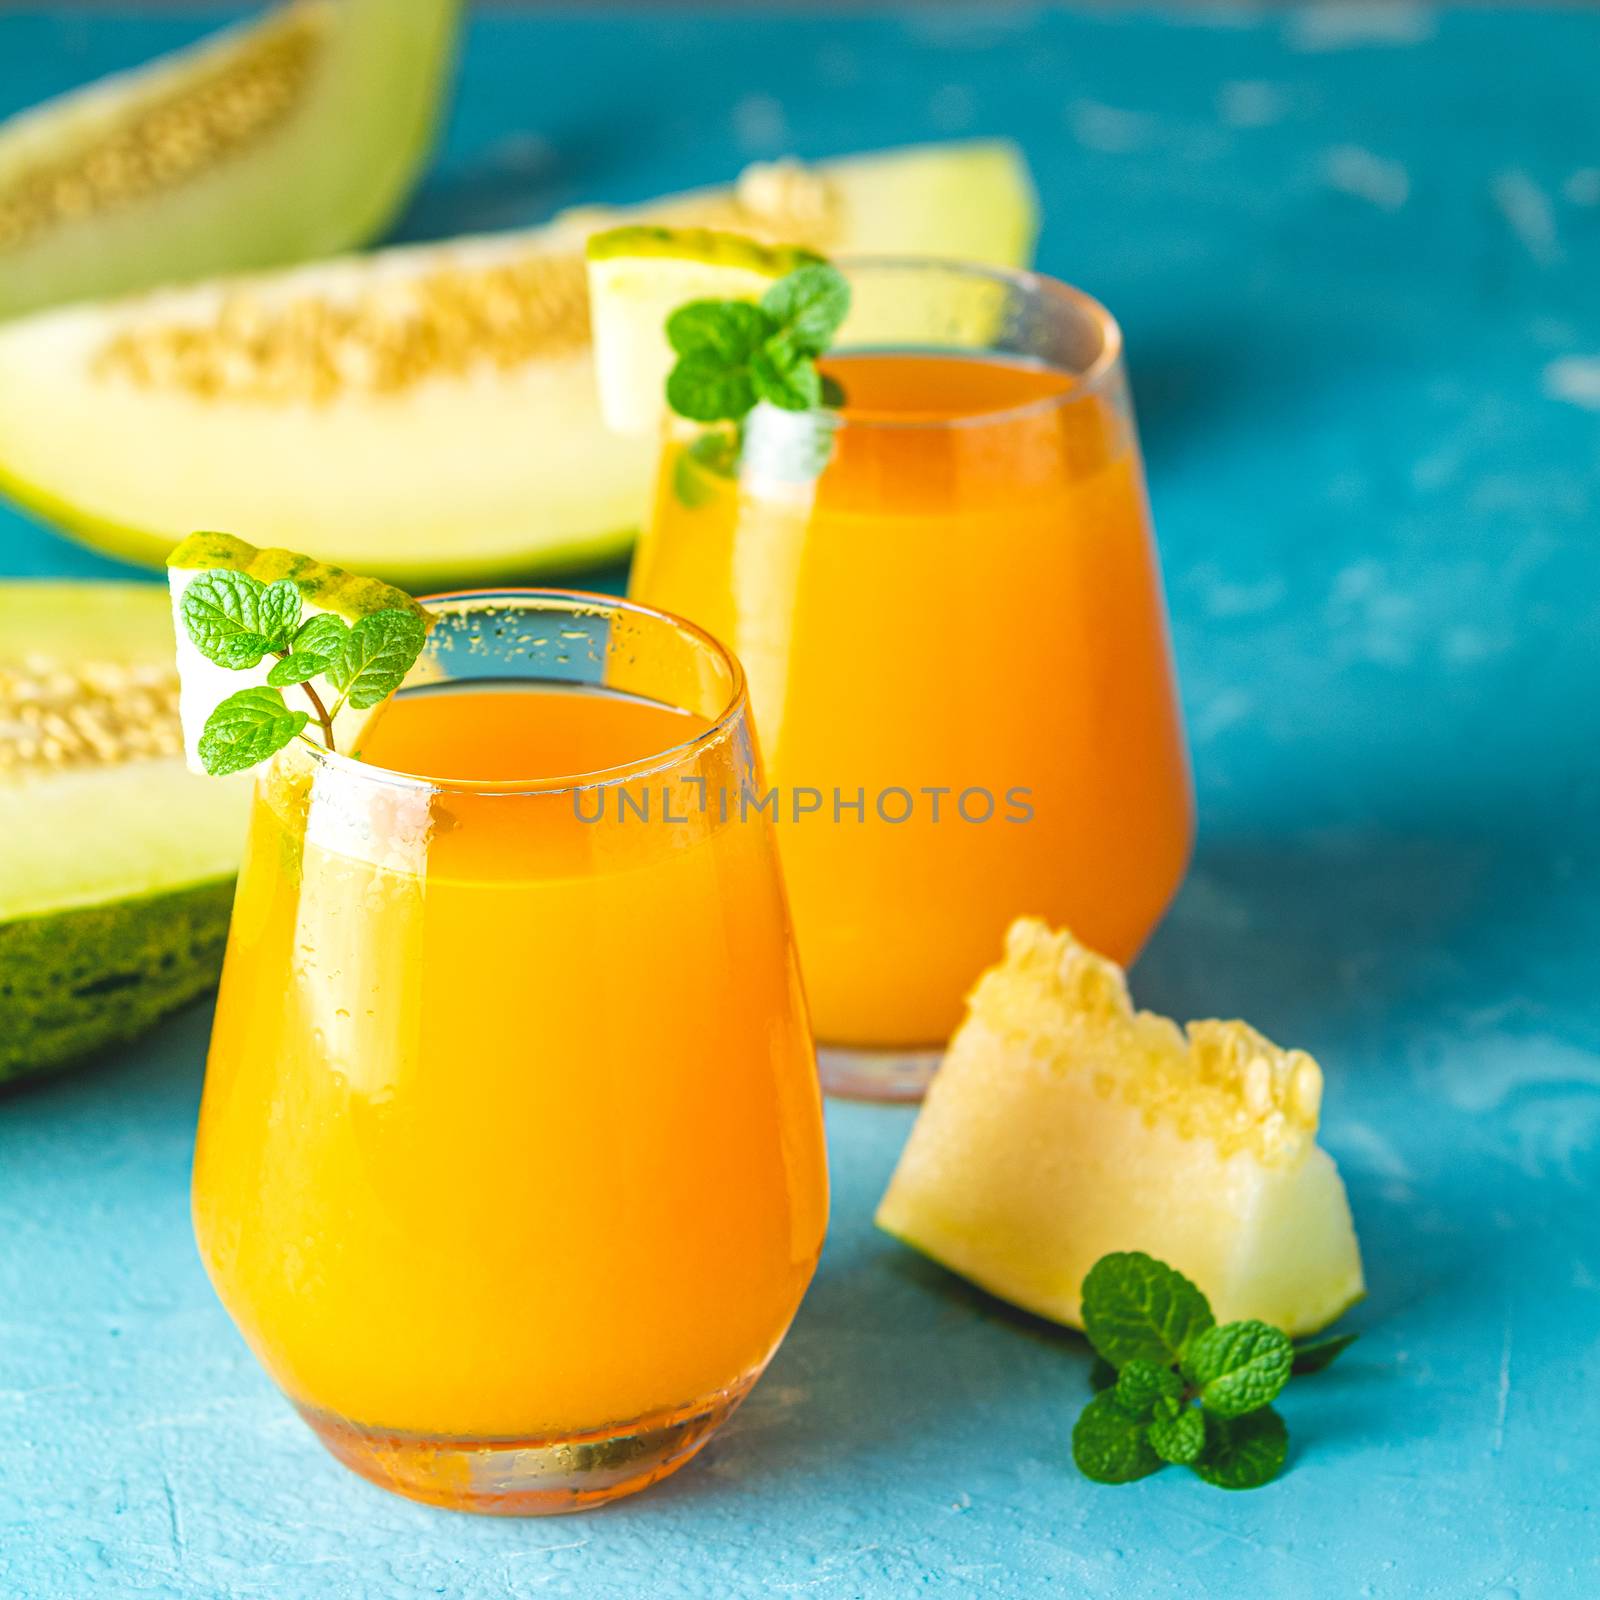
(733, 709)
(1077, 301)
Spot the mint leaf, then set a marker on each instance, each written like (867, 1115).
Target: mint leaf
(1243, 1452)
(1239, 1367)
(732, 354)
(833, 395)
(1102, 1375)
(1142, 1383)
(1136, 1308)
(715, 341)
(1109, 1445)
(222, 614)
(279, 612)
(731, 330)
(314, 649)
(246, 728)
(376, 657)
(810, 305)
(1316, 1355)
(785, 377)
(1178, 1436)
(296, 668)
(321, 635)
(706, 388)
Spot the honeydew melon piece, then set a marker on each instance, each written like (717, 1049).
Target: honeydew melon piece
(114, 898)
(204, 685)
(1063, 1125)
(293, 136)
(428, 414)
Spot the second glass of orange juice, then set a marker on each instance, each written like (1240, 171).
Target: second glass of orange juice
(956, 645)
(510, 1164)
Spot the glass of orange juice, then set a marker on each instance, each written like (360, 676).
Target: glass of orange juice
(510, 1165)
(956, 645)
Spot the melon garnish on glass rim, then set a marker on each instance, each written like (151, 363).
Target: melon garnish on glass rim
(287, 641)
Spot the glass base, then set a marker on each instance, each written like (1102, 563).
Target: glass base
(876, 1074)
(528, 1477)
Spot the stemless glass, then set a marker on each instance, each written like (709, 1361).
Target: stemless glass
(956, 644)
(510, 1166)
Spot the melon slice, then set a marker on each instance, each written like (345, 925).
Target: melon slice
(290, 137)
(428, 414)
(323, 590)
(1063, 1125)
(114, 898)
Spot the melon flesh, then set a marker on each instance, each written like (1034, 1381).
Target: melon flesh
(1064, 1125)
(293, 136)
(426, 414)
(114, 907)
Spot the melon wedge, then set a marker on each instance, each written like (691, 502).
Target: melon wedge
(427, 414)
(114, 902)
(290, 137)
(1064, 1125)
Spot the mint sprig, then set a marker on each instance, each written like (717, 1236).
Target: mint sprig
(236, 621)
(1175, 1387)
(734, 355)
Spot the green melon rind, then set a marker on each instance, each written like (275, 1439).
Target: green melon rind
(75, 982)
(708, 247)
(321, 584)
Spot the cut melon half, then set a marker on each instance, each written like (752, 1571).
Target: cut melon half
(1063, 1125)
(427, 414)
(114, 897)
(290, 137)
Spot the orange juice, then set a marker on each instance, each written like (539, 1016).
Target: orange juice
(511, 1129)
(959, 625)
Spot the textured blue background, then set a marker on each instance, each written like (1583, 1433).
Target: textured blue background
(1357, 253)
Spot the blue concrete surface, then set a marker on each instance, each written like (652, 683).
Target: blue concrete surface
(1357, 253)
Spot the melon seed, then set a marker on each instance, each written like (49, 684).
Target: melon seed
(174, 139)
(93, 713)
(447, 322)
(786, 196)
(444, 323)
